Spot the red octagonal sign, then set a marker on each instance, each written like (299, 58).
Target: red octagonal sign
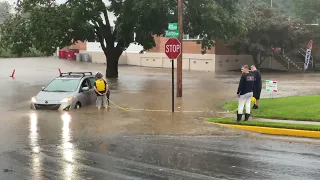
(173, 48)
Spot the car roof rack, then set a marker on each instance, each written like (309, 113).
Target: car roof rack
(76, 73)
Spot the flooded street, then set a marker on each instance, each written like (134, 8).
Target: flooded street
(147, 142)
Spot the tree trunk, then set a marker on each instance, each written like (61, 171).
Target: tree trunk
(112, 58)
(256, 59)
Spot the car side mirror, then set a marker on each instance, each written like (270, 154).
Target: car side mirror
(85, 89)
(42, 88)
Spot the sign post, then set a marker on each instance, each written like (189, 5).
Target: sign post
(173, 51)
(271, 87)
(172, 85)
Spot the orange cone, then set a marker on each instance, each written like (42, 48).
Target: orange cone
(13, 72)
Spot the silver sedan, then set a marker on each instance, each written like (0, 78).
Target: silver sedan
(71, 90)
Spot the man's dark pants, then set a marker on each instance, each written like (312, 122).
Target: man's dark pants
(256, 93)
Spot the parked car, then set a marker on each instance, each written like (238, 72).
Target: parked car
(71, 90)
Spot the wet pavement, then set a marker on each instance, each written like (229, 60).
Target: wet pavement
(118, 144)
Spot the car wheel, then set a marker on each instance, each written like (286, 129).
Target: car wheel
(32, 107)
(78, 105)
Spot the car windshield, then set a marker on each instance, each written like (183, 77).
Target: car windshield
(62, 85)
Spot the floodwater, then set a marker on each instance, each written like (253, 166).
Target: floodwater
(137, 144)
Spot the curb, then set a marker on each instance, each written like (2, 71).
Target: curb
(276, 131)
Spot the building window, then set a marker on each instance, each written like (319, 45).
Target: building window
(185, 36)
(188, 37)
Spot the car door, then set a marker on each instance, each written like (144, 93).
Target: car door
(84, 96)
(93, 95)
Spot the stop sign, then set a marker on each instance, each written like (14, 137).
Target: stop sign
(173, 48)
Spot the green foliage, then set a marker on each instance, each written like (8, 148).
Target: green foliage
(212, 20)
(14, 35)
(16, 41)
(267, 28)
(4, 10)
(307, 10)
(6, 53)
(49, 25)
(206, 18)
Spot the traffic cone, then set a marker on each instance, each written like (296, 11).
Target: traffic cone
(13, 72)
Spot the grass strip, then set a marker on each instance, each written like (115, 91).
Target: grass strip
(300, 108)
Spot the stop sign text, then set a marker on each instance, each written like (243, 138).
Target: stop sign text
(173, 48)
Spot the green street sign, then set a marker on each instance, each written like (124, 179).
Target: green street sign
(172, 34)
(172, 26)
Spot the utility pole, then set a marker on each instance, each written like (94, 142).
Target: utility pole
(179, 60)
(270, 65)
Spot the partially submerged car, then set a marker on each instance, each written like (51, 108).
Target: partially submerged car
(71, 90)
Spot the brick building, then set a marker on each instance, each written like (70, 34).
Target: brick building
(218, 59)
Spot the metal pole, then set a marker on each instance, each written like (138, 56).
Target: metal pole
(179, 60)
(172, 85)
(271, 3)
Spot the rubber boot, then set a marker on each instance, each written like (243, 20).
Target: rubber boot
(239, 117)
(246, 118)
(255, 106)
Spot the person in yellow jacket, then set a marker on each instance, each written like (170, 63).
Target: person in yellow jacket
(102, 90)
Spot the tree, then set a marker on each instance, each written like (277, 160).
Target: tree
(42, 27)
(14, 36)
(267, 28)
(307, 10)
(53, 24)
(4, 11)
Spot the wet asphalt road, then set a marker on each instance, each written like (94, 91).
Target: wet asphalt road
(116, 144)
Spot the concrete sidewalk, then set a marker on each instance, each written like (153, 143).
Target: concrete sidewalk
(287, 121)
(275, 131)
(229, 115)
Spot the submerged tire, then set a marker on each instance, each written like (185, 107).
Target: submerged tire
(77, 106)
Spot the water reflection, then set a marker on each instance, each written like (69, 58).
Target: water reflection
(34, 137)
(67, 147)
